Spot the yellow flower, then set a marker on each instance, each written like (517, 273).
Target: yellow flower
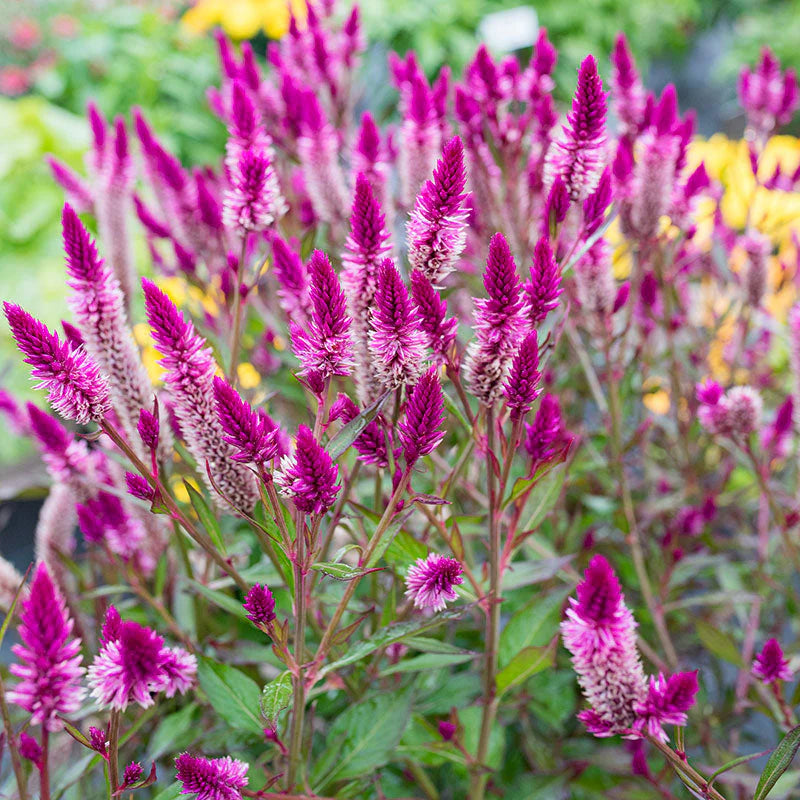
(243, 19)
(248, 376)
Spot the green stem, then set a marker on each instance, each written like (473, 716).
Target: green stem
(703, 786)
(44, 770)
(113, 750)
(13, 748)
(480, 777)
(298, 711)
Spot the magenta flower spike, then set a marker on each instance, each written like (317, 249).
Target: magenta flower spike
(770, 665)
(76, 388)
(420, 138)
(253, 439)
(667, 701)
(190, 370)
(370, 158)
(419, 430)
(292, 276)
(441, 332)
(600, 632)
(211, 778)
(98, 304)
(249, 205)
(430, 581)
(594, 281)
(324, 347)
(499, 324)
(309, 476)
(737, 413)
(76, 189)
(49, 657)
(522, 385)
(139, 488)
(578, 156)
(259, 605)
(768, 96)
(543, 288)
(627, 91)
(371, 442)
(437, 226)
(397, 341)
(367, 246)
(546, 435)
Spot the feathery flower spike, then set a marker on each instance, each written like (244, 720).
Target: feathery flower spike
(49, 656)
(76, 389)
(543, 288)
(667, 701)
(211, 778)
(627, 94)
(441, 332)
(770, 665)
(419, 430)
(430, 581)
(521, 386)
(308, 476)
(260, 605)
(293, 279)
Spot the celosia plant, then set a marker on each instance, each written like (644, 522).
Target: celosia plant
(436, 437)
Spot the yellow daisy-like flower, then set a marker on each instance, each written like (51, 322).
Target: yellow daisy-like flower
(243, 19)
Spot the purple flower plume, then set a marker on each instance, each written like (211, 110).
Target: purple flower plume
(546, 435)
(543, 288)
(420, 136)
(430, 581)
(76, 189)
(437, 227)
(370, 444)
(211, 778)
(627, 91)
(190, 370)
(441, 332)
(366, 248)
(397, 340)
(308, 476)
(49, 656)
(260, 605)
(292, 276)
(768, 96)
(600, 632)
(98, 304)
(148, 428)
(667, 701)
(252, 437)
(577, 157)
(499, 324)
(76, 389)
(324, 347)
(249, 206)
(522, 385)
(138, 487)
(419, 431)
(133, 664)
(770, 665)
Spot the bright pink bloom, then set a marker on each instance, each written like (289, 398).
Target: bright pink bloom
(211, 778)
(76, 389)
(543, 288)
(420, 138)
(737, 413)
(138, 487)
(397, 340)
(441, 332)
(419, 430)
(249, 206)
(521, 386)
(667, 701)
(768, 96)
(76, 189)
(594, 281)
(578, 157)
(546, 435)
(437, 226)
(30, 749)
(293, 279)
(260, 605)
(600, 632)
(770, 665)
(50, 657)
(627, 95)
(430, 581)
(324, 347)
(308, 477)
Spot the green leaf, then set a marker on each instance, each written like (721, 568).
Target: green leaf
(387, 537)
(390, 635)
(342, 572)
(405, 550)
(719, 643)
(206, 517)
(363, 738)
(545, 495)
(174, 731)
(276, 696)
(172, 792)
(778, 763)
(428, 661)
(233, 695)
(526, 663)
(13, 606)
(424, 644)
(525, 573)
(352, 430)
(534, 625)
(224, 601)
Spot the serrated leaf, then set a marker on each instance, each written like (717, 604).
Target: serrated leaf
(390, 635)
(363, 738)
(778, 763)
(526, 663)
(342, 572)
(353, 429)
(233, 694)
(719, 643)
(276, 696)
(206, 517)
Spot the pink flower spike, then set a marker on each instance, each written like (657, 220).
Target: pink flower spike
(667, 701)
(308, 477)
(260, 605)
(627, 93)
(49, 666)
(430, 581)
(432, 309)
(76, 389)
(543, 288)
(521, 386)
(419, 431)
(211, 778)
(770, 665)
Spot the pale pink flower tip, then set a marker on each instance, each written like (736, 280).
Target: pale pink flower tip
(211, 778)
(430, 581)
(770, 665)
(668, 700)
